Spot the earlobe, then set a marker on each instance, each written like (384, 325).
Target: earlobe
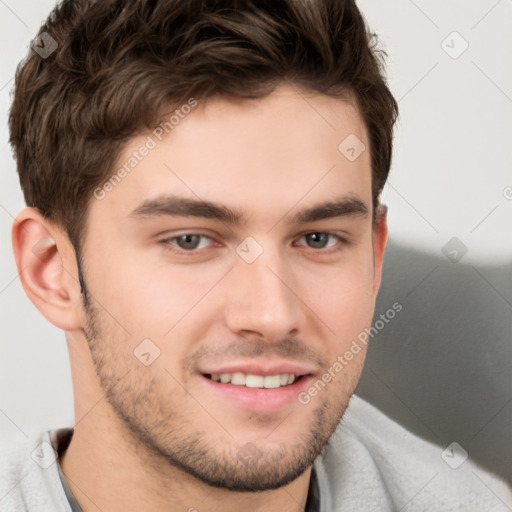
(43, 254)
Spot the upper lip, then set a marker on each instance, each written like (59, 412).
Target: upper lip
(259, 368)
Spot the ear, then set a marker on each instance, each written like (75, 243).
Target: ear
(45, 259)
(380, 238)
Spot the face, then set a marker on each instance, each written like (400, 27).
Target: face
(226, 273)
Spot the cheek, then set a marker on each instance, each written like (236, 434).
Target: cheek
(146, 297)
(344, 297)
(349, 308)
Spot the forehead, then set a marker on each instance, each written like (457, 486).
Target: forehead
(256, 156)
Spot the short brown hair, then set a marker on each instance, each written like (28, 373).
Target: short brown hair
(121, 64)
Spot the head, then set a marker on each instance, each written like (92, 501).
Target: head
(203, 186)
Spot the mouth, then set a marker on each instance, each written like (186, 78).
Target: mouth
(258, 389)
(258, 386)
(250, 380)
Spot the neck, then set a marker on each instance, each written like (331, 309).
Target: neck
(105, 471)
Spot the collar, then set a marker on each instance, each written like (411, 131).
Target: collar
(60, 440)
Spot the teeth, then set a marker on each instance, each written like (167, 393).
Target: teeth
(272, 381)
(255, 381)
(238, 379)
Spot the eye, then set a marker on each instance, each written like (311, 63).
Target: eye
(188, 241)
(321, 240)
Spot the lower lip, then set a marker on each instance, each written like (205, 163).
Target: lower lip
(261, 400)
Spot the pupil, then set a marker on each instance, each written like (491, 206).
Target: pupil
(318, 240)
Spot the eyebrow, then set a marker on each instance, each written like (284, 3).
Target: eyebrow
(178, 206)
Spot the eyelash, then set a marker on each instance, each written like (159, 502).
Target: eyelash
(167, 242)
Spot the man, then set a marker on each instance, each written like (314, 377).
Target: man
(203, 222)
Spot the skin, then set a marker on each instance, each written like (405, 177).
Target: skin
(159, 437)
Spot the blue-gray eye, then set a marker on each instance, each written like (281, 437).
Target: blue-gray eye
(317, 240)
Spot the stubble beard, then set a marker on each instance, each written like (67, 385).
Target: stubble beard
(159, 434)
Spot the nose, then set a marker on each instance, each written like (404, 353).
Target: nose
(261, 299)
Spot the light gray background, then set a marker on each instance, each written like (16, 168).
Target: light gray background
(442, 367)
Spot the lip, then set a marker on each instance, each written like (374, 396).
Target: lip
(261, 368)
(258, 400)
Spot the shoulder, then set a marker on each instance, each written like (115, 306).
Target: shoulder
(29, 478)
(372, 459)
